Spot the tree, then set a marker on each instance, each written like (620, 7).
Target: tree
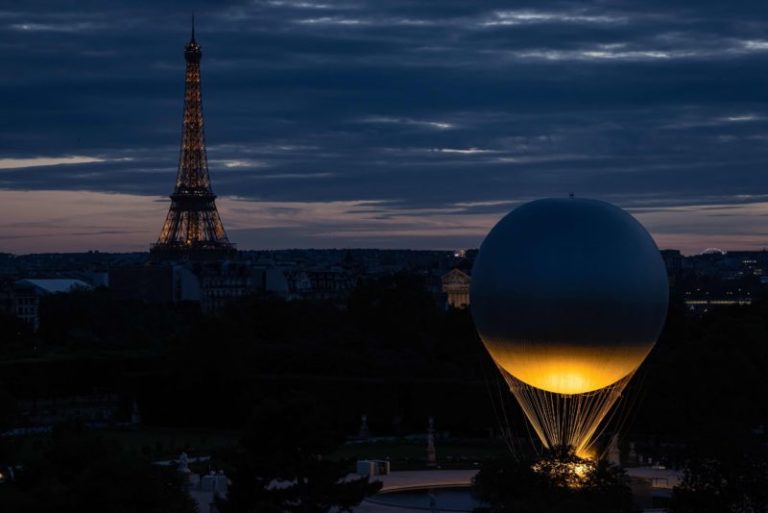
(84, 474)
(557, 482)
(723, 484)
(606, 488)
(281, 467)
(7, 412)
(15, 334)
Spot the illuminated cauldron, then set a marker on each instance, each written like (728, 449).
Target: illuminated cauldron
(569, 297)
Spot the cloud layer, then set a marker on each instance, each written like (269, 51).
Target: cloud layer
(393, 124)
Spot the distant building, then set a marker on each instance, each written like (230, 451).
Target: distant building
(94, 409)
(330, 284)
(730, 265)
(748, 263)
(673, 261)
(211, 284)
(319, 284)
(157, 284)
(223, 283)
(7, 298)
(28, 292)
(456, 287)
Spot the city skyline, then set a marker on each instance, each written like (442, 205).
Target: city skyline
(407, 126)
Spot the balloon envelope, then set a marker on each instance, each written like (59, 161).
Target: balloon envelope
(569, 295)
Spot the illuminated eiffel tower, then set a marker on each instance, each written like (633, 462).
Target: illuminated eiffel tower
(193, 229)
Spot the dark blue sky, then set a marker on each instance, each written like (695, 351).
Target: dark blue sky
(384, 123)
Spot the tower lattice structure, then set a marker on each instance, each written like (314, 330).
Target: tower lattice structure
(193, 229)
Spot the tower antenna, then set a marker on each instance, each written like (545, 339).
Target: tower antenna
(193, 26)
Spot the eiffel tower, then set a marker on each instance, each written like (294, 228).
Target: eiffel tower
(193, 229)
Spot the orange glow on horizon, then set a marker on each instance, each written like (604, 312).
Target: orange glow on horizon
(78, 220)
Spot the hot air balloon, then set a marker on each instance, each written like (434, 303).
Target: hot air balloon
(569, 297)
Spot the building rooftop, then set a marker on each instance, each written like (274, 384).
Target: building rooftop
(55, 285)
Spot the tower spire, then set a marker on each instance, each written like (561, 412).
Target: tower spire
(193, 229)
(192, 39)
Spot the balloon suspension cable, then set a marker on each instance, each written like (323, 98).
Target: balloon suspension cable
(624, 411)
(563, 420)
(502, 419)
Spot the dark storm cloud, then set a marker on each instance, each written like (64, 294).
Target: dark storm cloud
(417, 105)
